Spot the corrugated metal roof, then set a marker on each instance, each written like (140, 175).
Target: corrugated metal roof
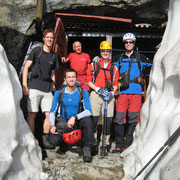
(100, 26)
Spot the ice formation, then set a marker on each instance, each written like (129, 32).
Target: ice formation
(20, 155)
(160, 115)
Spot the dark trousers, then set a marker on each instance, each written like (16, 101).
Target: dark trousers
(120, 134)
(85, 124)
(108, 124)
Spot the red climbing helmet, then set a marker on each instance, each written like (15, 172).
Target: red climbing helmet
(72, 137)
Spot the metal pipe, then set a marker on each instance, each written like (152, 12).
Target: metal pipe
(39, 9)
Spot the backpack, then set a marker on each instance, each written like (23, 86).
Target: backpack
(124, 77)
(35, 71)
(32, 45)
(108, 85)
(61, 104)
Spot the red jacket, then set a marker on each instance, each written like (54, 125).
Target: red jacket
(100, 79)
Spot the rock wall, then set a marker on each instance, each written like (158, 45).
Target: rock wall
(19, 14)
(16, 16)
(20, 156)
(160, 114)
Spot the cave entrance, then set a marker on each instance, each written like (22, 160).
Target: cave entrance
(91, 30)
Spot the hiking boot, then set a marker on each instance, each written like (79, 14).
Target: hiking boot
(118, 150)
(126, 145)
(109, 147)
(46, 142)
(104, 151)
(87, 154)
(95, 147)
(94, 150)
(63, 148)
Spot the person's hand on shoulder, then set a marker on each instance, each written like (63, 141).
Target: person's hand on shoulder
(64, 59)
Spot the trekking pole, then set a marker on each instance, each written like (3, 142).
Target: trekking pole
(103, 150)
(177, 133)
(168, 143)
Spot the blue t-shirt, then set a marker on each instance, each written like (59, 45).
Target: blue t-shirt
(71, 102)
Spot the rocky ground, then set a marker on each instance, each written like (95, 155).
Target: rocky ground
(70, 166)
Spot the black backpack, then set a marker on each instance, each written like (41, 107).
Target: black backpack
(124, 78)
(108, 85)
(138, 61)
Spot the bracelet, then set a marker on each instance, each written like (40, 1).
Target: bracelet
(75, 116)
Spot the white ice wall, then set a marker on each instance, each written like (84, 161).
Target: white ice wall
(20, 155)
(160, 115)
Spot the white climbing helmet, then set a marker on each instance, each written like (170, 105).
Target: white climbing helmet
(129, 36)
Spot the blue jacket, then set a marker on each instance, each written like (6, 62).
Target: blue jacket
(134, 88)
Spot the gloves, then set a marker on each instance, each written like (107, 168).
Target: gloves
(97, 89)
(102, 92)
(105, 94)
(109, 96)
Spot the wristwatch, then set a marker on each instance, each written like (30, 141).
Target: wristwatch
(76, 117)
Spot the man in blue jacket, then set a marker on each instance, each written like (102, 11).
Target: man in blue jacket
(128, 104)
(69, 109)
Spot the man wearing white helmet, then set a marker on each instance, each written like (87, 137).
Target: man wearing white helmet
(129, 36)
(128, 104)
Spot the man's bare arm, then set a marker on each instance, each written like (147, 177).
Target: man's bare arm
(25, 76)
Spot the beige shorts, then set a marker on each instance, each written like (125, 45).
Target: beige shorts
(97, 105)
(38, 98)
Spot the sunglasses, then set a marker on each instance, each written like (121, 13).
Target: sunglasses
(106, 50)
(130, 42)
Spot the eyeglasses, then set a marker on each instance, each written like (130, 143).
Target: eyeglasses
(130, 42)
(106, 50)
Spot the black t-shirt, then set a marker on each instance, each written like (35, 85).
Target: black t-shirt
(48, 62)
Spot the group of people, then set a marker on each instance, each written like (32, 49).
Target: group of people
(79, 104)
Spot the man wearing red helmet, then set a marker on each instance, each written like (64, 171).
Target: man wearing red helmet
(70, 109)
